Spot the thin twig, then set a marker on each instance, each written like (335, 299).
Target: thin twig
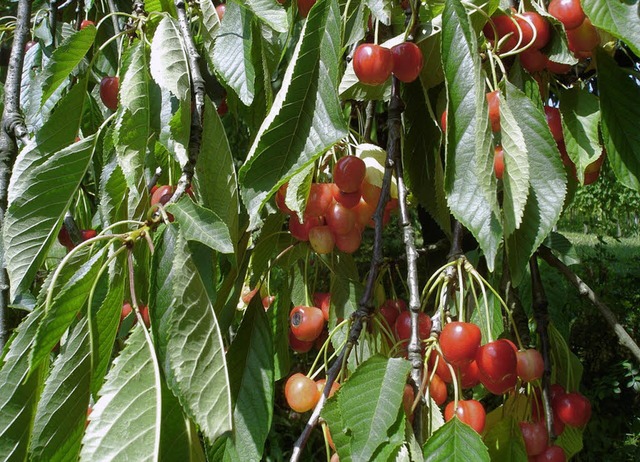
(585, 291)
(114, 18)
(370, 112)
(53, 21)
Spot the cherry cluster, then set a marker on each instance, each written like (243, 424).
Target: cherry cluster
(373, 64)
(337, 213)
(127, 309)
(582, 36)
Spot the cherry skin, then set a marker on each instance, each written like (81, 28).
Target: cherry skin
(497, 363)
(443, 121)
(407, 61)
(568, 12)
(504, 25)
(348, 173)
(558, 68)
(280, 195)
(86, 23)
(320, 384)
(403, 325)
(304, 6)
(468, 411)
(530, 365)
(408, 396)
(126, 310)
(573, 409)
(364, 212)
(306, 322)
(493, 100)
(583, 38)
(162, 195)
(319, 200)
(350, 242)
(459, 342)
(323, 301)
(438, 390)
(348, 200)
(340, 219)
(220, 10)
(144, 313)
(390, 313)
(30, 44)
(542, 27)
(65, 239)
(554, 121)
(469, 375)
(322, 239)
(299, 346)
(301, 392)
(533, 60)
(301, 230)
(498, 162)
(109, 87)
(441, 368)
(535, 437)
(552, 454)
(372, 64)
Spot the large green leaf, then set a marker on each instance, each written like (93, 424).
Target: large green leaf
(62, 411)
(305, 119)
(547, 182)
(126, 421)
(580, 121)
(505, 442)
(269, 11)
(169, 66)
(455, 442)
(200, 224)
(195, 351)
(41, 192)
(232, 53)
(65, 58)
(211, 24)
(620, 106)
(469, 180)
(20, 393)
(619, 18)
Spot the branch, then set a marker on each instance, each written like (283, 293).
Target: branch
(12, 128)
(541, 316)
(370, 112)
(512, 299)
(114, 19)
(53, 21)
(585, 291)
(198, 92)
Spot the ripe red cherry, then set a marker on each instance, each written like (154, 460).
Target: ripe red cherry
(306, 322)
(469, 411)
(349, 173)
(30, 44)
(554, 121)
(301, 230)
(556, 391)
(280, 195)
(469, 375)
(497, 363)
(372, 63)
(162, 195)
(319, 200)
(299, 346)
(301, 392)
(65, 239)
(583, 38)
(340, 219)
(348, 200)
(443, 121)
(371, 193)
(126, 310)
(390, 313)
(87, 234)
(568, 12)
(542, 27)
(493, 100)
(323, 301)
(504, 25)
(552, 454)
(438, 390)
(535, 437)
(530, 365)
(441, 369)
(109, 87)
(533, 60)
(304, 6)
(403, 325)
(459, 342)
(558, 68)
(498, 162)
(321, 239)
(350, 242)
(573, 409)
(364, 212)
(407, 61)
(86, 23)
(408, 397)
(320, 384)
(220, 10)
(223, 107)
(144, 313)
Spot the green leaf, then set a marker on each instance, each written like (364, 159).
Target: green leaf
(505, 442)
(298, 190)
(65, 58)
(112, 192)
(479, 316)
(469, 180)
(169, 67)
(268, 11)
(568, 368)
(232, 52)
(305, 119)
(195, 351)
(333, 415)
(455, 442)
(216, 180)
(547, 183)
(62, 410)
(580, 120)
(571, 441)
(354, 21)
(381, 9)
(563, 248)
(20, 391)
(620, 106)
(41, 191)
(211, 24)
(200, 224)
(125, 422)
(621, 19)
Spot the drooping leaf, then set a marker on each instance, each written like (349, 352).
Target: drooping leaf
(455, 442)
(305, 119)
(620, 106)
(62, 411)
(126, 420)
(200, 224)
(169, 66)
(20, 393)
(211, 24)
(620, 19)
(270, 12)
(65, 58)
(298, 190)
(469, 180)
(40, 198)
(354, 21)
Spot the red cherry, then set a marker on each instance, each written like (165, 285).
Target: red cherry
(109, 87)
(390, 313)
(322, 239)
(222, 108)
(552, 454)
(504, 25)
(371, 193)
(320, 384)
(350, 242)
(144, 313)
(348, 173)
(280, 196)
(542, 27)
(558, 68)
(340, 219)
(126, 310)
(533, 60)
(441, 369)
(468, 411)
(573, 409)
(554, 121)
(469, 375)
(535, 437)
(568, 12)
(86, 23)
(299, 346)
(248, 294)
(459, 342)
(162, 195)
(498, 162)
(493, 100)
(304, 6)
(583, 38)
(497, 363)
(407, 61)
(319, 200)
(403, 325)
(372, 63)
(530, 365)
(87, 234)
(65, 239)
(348, 200)
(306, 322)
(30, 44)
(408, 396)
(221, 10)
(301, 230)
(301, 392)
(364, 212)
(443, 121)
(555, 391)
(595, 166)
(438, 390)
(323, 301)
